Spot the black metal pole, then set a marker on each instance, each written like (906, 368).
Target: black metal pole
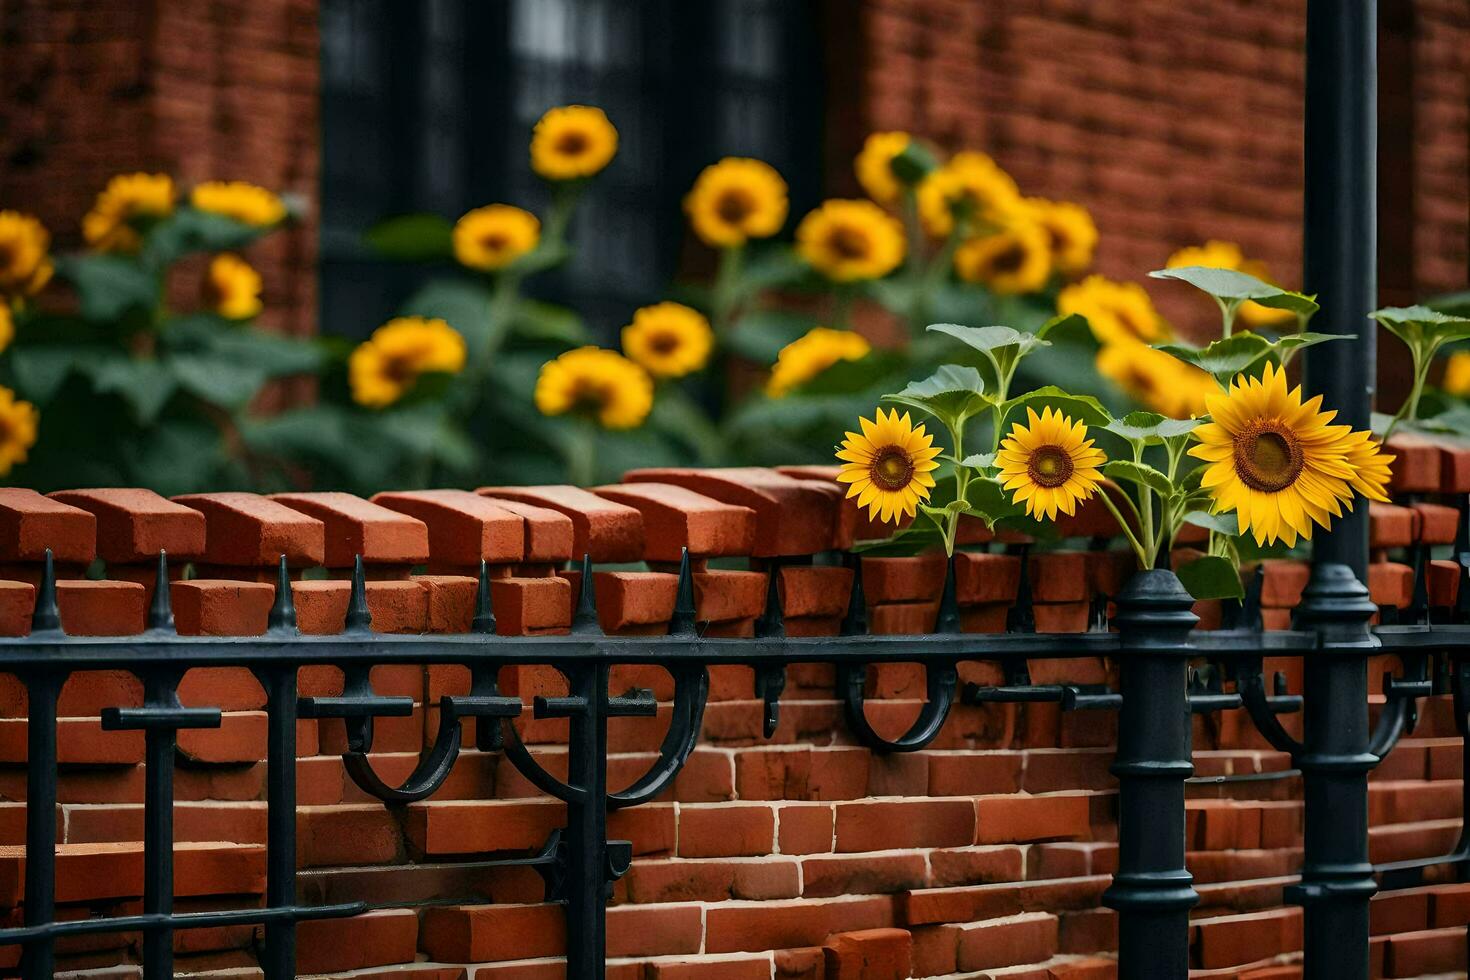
(38, 957)
(1337, 878)
(1341, 231)
(278, 958)
(1152, 890)
(587, 878)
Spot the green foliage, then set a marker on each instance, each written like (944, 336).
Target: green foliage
(1231, 288)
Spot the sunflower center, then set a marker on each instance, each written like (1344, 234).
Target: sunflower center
(399, 369)
(8, 253)
(572, 142)
(1008, 259)
(1268, 456)
(848, 242)
(892, 468)
(495, 241)
(1050, 466)
(663, 342)
(734, 206)
(589, 396)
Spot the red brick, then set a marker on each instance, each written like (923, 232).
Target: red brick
(868, 874)
(451, 602)
(353, 526)
(1416, 468)
(675, 518)
(1014, 819)
(1283, 583)
(464, 528)
(714, 967)
(1232, 940)
(1059, 576)
(99, 608)
(815, 590)
(783, 925)
(974, 773)
(17, 601)
(1390, 584)
(975, 865)
(530, 605)
(445, 827)
(91, 872)
(343, 835)
(805, 829)
(661, 930)
(246, 529)
(1437, 523)
(395, 606)
(1390, 526)
(870, 954)
(1442, 580)
(722, 596)
(1030, 937)
(30, 523)
(377, 938)
(912, 579)
(549, 533)
(683, 880)
(726, 830)
(878, 826)
(604, 529)
(221, 607)
(792, 517)
(134, 525)
(477, 934)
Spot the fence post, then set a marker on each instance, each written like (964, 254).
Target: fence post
(1152, 890)
(1337, 878)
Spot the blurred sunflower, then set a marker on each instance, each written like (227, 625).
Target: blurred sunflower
(232, 287)
(383, 368)
(847, 241)
(127, 197)
(1216, 254)
(1014, 260)
(1275, 461)
(1116, 311)
(809, 355)
(246, 203)
(735, 200)
(669, 340)
(600, 384)
(24, 265)
(970, 183)
(874, 165)
(1157, 381)
(494, 236)
(888, 466)
(1049, 463)
(1456, 379)
(1070, 229)
(18, 424)
(572, 141)
(7, 326)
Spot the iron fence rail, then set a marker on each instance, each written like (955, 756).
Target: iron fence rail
(1168, 672)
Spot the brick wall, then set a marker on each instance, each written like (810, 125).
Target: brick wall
(201, 89)
(1173, 122)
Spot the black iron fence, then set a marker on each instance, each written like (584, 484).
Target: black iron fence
(1169, 671)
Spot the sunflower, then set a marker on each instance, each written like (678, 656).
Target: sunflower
(1215, 254)
(1456, 379)
(18, 422)
(874, 165)
(24, 265)
(572, 141)
(108, 227)
(601, 384)
(1049, 463)
(1370, 465)
(848, 241)
(971, 183)
(668, 339)
(1155, 380)
(7, 326)
(1274, 460)
(889, 466)
(494, 236)
(1014, 260)
(246, 203)
(232, 287)
(1070, 231)
(1115, 311)
(812, 353)
(735, 200)
(383, 368)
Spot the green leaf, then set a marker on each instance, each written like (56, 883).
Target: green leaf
(987, 499)
(1080, 408)
(1225, 524)
(979, 461)
(535, 320)
(1211, 577)
(1065, 323)
(1229, 286)
(41, 370)
(1141, 474)
(1289, 344)
(191, 230)
(1422, 328)
(109, 286)
(996, 343)
(466, 306)
(1150, 428)
(760, 334)
(1225, 358)
(917, 538)
(146, 385)
(217, 380)
(952, 394)
(418, 237)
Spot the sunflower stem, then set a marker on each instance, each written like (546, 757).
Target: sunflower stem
(1410, 408)
(961, 485)
(726, 277)
(1145, 561)
(581, 455)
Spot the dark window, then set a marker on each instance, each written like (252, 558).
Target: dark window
(429, 106)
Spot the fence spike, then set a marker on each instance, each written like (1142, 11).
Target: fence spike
(283, 609)
(161, 613)
(855, 621)
(585, 620)
(484, 621)
(683, 623)
(949, 603)
(358, 617)
(45, 618)
(772, 622)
